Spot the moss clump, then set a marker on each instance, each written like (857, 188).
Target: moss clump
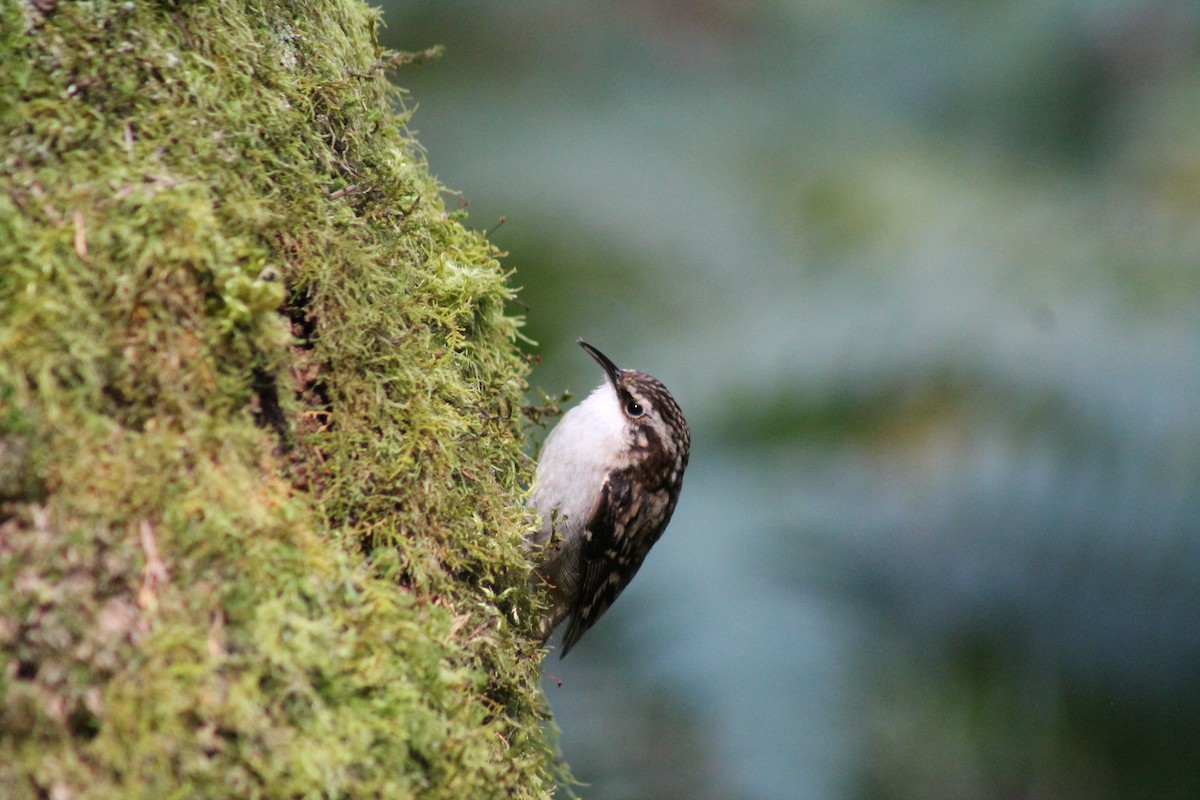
(259, 472)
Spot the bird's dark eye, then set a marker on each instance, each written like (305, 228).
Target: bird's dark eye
(634, 409)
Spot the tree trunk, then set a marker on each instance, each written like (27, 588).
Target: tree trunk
(260, 470)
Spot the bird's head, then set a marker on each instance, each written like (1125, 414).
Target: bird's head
(653, 423)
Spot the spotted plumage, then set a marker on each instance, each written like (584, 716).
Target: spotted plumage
(607, 482)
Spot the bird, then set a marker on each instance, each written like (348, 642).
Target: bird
(606, 484)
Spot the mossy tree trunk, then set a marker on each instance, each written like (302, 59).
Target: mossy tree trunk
(260, 471)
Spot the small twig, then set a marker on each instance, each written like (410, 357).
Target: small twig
(405, 212)
(81, 249)
(402, 58)
(215, 648)
(345, 190)
(155, 572)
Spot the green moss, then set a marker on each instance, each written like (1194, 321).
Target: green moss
(260, 474)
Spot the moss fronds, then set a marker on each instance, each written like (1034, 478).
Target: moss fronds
(260, 472)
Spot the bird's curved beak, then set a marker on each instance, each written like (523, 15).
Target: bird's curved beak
(611, 369)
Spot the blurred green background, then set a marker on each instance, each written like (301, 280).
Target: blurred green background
(925, 277)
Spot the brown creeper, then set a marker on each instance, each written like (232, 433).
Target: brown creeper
(606, 486)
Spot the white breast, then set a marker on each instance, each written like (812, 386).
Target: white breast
(574, 459)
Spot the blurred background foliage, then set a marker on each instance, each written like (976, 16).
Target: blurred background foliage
(925, 277)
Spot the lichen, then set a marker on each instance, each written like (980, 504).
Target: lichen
(260, 470)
